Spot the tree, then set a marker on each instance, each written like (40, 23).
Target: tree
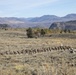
(65, 30)
(69, 31)
(42, 32)
(29, 33)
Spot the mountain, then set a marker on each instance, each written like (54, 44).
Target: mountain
(70, 25)
(45, 18)
(44, 21)
(53, 18)
(69, 17)
(16, 22)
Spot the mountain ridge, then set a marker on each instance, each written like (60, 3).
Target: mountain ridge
(44, 21)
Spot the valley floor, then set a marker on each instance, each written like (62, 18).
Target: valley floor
(55, 62)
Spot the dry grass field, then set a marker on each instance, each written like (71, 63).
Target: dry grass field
(55, 62)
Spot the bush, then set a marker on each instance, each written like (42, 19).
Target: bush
(29, 33)
(42, 32)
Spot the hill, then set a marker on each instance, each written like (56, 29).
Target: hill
(64, 25)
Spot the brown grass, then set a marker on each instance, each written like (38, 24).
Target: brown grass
(46, 63)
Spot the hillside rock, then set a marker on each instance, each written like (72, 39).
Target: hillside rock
(71, 25)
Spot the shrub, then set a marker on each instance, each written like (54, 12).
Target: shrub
(29, 33)
(42, 32)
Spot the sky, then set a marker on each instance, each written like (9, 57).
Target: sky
(36, 8)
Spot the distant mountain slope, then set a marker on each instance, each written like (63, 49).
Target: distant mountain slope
(64, 25)
(4, 26)
(43, 21)
(70, 16)
(53, 18)
(45, 18)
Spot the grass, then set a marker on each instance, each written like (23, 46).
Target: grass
(46, 63)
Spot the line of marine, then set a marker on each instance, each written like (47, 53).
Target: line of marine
(33, 51)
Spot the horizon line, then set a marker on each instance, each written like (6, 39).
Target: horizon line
(36, 16)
